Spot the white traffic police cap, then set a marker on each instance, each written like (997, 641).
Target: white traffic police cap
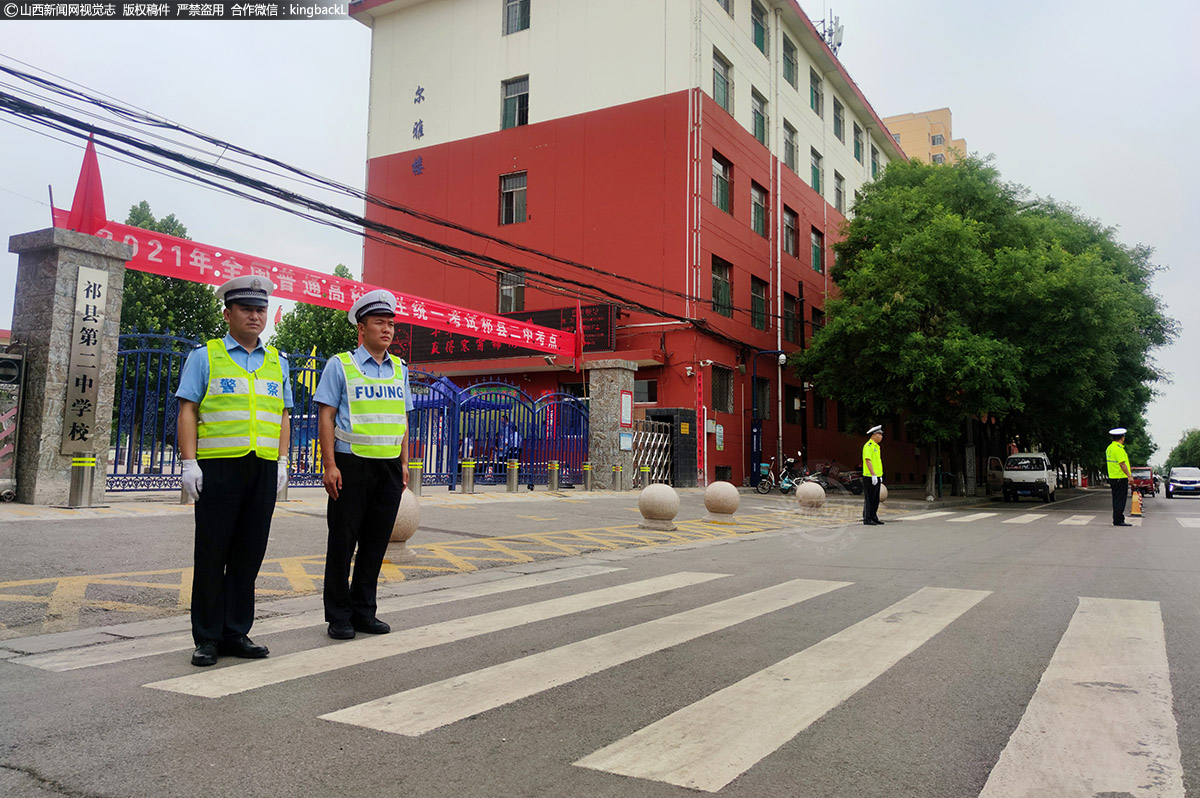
(1117, 431)
(248, 290)
(874, 429)
(377, 302)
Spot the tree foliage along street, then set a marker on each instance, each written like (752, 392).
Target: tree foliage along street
(156, 304)
(306, 326)
(960, 299)
(1185, 453)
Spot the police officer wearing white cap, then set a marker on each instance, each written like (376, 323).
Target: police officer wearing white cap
(234, 397)
(363, 429)
(872, 476)
(1118, 474)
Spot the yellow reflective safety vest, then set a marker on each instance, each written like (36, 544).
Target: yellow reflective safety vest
(871, 454)
(378, 411)
(241, 412)
(1115, 456)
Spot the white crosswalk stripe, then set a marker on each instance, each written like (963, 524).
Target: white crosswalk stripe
(925, 516)
(260, 673)
(1077, 520)
(425, 708)
(1100, 722)
(710, 743)
(966, 519)
(1191, 523)
(1024, 518)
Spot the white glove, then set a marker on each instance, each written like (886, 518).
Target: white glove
(874, 480)
(193, 478)
(282, 478)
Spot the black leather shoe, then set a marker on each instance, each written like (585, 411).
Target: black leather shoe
(243, 647)
(1123, 523)
(868, 523)
(205, 655)
(341, 631)
(372, 627)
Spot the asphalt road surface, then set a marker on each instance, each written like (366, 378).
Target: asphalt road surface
(998, 650)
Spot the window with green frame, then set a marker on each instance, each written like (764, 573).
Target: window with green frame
(722, 85)
(839, 193)
(791, 71)
(758, 303)
(721, 181)
(758, 111)
(758, 209)
(818, 251)
(858, 143)
(816, 93)
(839, 121)
(791, 327)
(722, 289)
(758, 26)
(874, 163)
(516, 103)
(816, 170)
(789, 146)
(791, 226)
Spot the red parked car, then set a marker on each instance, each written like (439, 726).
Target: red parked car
(1143, 480)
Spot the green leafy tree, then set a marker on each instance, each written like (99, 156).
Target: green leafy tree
(1185, 453)
(154, 303)
(960, 300)
(307, 326)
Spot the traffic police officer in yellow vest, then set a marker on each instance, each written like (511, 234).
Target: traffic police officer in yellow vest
(363, 426)
(234, 396)
(1118, 474)
(872, 476)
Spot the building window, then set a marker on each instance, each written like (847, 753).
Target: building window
(793, 405)
(722, 84)
(896, 137)
(791, 317)
(791, 72)
(758, 209)
(938, 140)
(727, 5)
(858, 143)
(722, 389)
(791, 227)
(758, 303)
(816, 95)
(512, 198)
(516, 16)
(820, 412)
(516, 103)
(758, 112)
(722, 178)
(762, 397)
(789, 146)
(839, 193)
(722, 287)
(816, 170)
(939, 158)
(874, 163)
(512, 291)
(758, 26)
(839, 121)
(645, 390)
(818, 251)
(818, 319)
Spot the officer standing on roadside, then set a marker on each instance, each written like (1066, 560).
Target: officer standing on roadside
(363, 426)
(1118, 474)
(872, 476)
(234, 396)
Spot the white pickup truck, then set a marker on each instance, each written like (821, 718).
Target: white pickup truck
(1029, 474)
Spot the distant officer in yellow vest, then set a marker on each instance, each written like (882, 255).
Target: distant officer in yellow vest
(234, 396)
(872, 476)
(1118, 474)
(363, 429)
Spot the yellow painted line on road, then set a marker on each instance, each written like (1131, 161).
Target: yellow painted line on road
(18, 597)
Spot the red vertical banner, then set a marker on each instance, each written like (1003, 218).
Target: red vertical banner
(701, 431)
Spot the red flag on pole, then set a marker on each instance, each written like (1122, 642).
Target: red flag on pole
(578, 337)
(87, 209)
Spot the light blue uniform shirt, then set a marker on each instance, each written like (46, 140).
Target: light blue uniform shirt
(331, 391)
(193, 382)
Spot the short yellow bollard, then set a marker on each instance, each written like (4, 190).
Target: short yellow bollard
(1137, 504)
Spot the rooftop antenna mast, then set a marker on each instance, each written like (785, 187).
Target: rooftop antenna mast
(832, 31)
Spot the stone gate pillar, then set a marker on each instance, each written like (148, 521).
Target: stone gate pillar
(606, 380)
(44, 322)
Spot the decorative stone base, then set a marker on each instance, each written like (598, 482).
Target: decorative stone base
(658, 526)
(720, 518)
(408, 518)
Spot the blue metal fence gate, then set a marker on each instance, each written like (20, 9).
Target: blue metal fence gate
(489, 422)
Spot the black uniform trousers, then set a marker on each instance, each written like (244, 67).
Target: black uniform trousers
(362, 517)
(1120, 492)
(870, 500)
(233, 520)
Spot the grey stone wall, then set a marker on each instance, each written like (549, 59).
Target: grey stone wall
(43, 322)
(606, 380)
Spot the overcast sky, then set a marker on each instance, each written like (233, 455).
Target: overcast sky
(1087, 101)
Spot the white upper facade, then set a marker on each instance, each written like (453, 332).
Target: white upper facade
(439, 67)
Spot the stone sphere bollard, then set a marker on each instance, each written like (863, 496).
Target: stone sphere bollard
(721, 499)
(408, 518)
(810, 494)
(882, 492)
(659, 505)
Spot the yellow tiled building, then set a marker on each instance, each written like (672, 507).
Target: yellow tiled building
(926, 135)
